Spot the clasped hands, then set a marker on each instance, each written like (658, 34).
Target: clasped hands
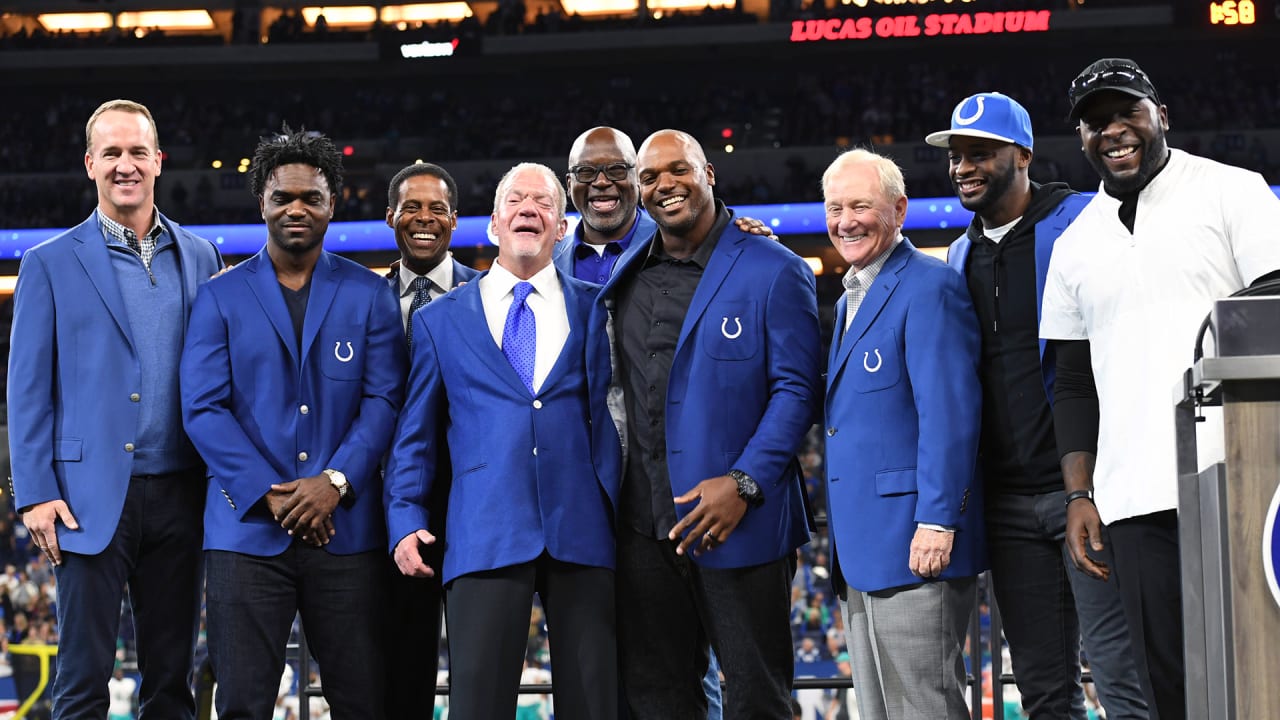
(304, 507)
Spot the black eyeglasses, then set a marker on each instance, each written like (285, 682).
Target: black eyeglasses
(1107, 78)
(617, 172)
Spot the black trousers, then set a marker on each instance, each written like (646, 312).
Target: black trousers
(671, 610)
(412, 626)
(487, 614)
(156, 552)
(1148, 570)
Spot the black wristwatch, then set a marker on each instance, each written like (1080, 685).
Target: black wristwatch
(747, 488)
(1078, 495)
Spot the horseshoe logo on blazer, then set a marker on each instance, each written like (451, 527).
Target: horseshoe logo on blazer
(724, 327)
(866, 357)
(350, 352)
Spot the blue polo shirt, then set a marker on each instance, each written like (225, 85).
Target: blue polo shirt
(595, 267)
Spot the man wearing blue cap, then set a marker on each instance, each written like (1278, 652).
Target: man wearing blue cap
(1130, 282)
(1004, 255)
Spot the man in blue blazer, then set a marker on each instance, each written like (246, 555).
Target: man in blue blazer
(106, 482)
(292, 376)
(903, 407)
(422, 209)
(717, 340)
(515, 365)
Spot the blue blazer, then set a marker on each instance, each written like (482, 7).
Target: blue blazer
(563, 256)
(529, 473)
(903, 409)
(744, 387)
(1046, 233)
(72, 368)
(261, 410)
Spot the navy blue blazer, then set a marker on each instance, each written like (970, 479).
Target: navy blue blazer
(563, 257)
(744, 387)
(529, 473)
(903, 408)
(262, 410)
(72, 370)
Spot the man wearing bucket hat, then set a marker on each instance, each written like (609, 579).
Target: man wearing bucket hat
(1128, 285)
(1004, 255)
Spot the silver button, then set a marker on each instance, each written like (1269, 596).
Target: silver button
(831, 432)
(537, 404)
(304, 409)
(128, 447)
(302, 456)
(535, 451)
(135, 397)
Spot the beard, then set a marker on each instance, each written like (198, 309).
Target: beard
(1154, 154)
(998, 184)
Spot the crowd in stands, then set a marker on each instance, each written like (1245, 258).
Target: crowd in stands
(454, 119)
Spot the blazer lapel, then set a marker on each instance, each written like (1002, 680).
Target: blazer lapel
(324, 287)
(186, 261)
(93, 256)
(262, 281)
(728, 248)
(471, 326)
(877, 296)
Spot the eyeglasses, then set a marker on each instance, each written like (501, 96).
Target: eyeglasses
(1107, 78)
(617, 172)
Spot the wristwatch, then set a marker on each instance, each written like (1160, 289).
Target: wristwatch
(747, 488)
(339, 482)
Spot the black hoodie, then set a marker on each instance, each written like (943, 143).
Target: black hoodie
(1018, 452)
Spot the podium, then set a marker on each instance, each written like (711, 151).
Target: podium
(1231, 613)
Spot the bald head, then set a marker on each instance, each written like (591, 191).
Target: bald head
(609, 198)
(675, 186)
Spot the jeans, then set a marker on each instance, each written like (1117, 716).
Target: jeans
(250, 604)
(1048, 606)
(156, 551)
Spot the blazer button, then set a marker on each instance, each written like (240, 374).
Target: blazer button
(304, 409)
(535, 451)
(831, 432)
(537, 404)
(302, 456)
(135, 397)
(128, 447)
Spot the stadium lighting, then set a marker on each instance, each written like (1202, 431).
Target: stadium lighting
(426, 12)
(336, 16)
(74, 21)
(599, 7)
(167, 19)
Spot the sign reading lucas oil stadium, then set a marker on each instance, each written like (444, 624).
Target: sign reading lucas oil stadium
(933, 24)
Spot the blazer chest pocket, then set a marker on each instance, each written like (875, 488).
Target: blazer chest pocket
(732, 330)
(341, 350)
(875, 363)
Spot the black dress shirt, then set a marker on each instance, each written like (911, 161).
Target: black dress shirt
(653, 299)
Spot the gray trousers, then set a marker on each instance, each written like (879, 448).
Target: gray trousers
(906, 646)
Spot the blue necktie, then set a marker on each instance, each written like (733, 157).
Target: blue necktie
(421, 296)
(519, 335)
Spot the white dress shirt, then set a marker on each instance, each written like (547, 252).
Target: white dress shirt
(441, 277)
(547, 303)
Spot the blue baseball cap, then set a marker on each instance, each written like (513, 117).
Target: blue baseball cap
(987, 115)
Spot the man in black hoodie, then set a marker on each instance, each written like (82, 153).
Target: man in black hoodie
(1045, 602)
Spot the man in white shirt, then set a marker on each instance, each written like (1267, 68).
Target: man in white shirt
(1129, 283)
(515, 366)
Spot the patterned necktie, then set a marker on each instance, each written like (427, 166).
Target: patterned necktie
(421, 285)
(519, 335)
(853, 297)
